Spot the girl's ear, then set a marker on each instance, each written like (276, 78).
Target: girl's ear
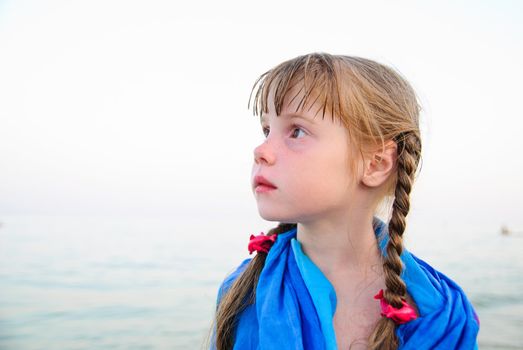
(380, 165)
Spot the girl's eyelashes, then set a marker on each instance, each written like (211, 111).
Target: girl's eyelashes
(297, 128)
(266, 130)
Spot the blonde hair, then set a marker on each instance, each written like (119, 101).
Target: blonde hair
(376, 104)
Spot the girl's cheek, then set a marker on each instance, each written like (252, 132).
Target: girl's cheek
(298, 145)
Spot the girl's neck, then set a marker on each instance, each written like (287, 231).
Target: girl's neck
(347, 245)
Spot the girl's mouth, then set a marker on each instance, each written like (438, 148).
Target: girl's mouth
(263, 188)
(261, 184)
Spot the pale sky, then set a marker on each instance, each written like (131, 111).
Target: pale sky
(140, 108)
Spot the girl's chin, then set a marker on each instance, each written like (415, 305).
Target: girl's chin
(271, 216)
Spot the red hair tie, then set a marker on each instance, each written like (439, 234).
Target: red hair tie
(261, 243)
(402, 315)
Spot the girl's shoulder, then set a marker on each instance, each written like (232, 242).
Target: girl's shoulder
(424, 277)
(445, 310)
(230, 278)
(432, 287)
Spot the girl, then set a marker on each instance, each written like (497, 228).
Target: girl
(341, 136)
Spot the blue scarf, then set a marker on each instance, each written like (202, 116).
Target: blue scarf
(295, 304)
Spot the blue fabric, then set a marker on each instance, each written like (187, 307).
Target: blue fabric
(295, 304)
(322, 293)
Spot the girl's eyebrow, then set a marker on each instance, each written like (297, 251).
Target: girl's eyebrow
(290, 116)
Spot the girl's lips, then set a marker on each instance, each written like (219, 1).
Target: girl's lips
(261, 181)
(264, 188)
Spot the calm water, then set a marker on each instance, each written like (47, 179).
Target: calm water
(129, 283)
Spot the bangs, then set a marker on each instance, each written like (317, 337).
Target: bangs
(312, 78)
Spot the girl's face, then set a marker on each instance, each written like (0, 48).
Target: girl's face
(307, 159)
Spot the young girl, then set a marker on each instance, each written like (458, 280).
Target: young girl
(341, 136)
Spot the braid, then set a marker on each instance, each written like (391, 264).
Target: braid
(409, 146)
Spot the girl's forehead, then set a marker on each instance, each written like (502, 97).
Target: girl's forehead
(291, 115)
(296, 105)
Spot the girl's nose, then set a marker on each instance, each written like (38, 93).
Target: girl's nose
(264, 154)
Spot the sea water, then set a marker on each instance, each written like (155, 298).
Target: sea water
(151, 283)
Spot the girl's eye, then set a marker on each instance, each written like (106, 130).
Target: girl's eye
(297, 128)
